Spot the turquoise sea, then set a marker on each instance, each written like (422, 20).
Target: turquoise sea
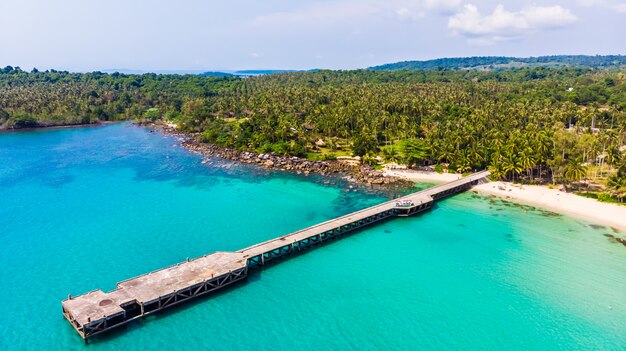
(81, 209)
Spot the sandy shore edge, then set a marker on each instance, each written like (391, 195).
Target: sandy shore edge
(535, 195)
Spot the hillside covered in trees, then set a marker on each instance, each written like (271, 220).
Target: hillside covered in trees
(39, 99)
(536, 124)
(503, 62)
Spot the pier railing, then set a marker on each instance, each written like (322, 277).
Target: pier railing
(96, 312)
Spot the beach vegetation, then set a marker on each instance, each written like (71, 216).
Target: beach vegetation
(543, 125)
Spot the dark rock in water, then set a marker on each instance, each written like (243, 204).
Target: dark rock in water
(597, 226)
(612, 238)
(387, 231)
(549, 214)
(362, 174)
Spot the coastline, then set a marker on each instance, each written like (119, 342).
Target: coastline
(591, 210)
(358, 174)
(61, 126)
(420, 176)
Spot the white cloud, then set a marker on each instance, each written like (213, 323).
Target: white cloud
(442, 5)
(316, 15)
(403, 12)
(416, 9)
(356, 11)
(503, 25)
(605, 4)
(590, 2)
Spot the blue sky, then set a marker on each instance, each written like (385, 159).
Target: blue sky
(82, 35)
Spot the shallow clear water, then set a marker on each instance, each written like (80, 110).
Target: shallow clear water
(81, 209)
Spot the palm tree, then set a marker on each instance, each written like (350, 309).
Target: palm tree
(574, 170)
(613, 155)
(542, 150)
(414, 151)
(527, 162)
(617, 187)
(390, 154)
(511, 165)
(369, 159)
(496, 169)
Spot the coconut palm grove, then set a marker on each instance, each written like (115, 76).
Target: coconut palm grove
(556, 125)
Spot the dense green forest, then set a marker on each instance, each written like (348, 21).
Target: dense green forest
(51, 98)
(503, 62)
(539, 124)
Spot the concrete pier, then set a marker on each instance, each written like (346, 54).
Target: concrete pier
(96, 312)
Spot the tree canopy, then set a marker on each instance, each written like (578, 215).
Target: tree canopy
(539, 123)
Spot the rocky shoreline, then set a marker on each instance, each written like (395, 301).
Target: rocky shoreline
(361, 174)
(58, 126)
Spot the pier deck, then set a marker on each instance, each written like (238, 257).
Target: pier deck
(96, 311)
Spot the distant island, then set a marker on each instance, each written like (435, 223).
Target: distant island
(259, 72)
(246, 73)
(216, 74)
(503, 62)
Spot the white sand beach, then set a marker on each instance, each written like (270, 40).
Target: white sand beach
(541, 196)
(421, 176)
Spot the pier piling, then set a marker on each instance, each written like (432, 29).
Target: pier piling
(96, 312)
